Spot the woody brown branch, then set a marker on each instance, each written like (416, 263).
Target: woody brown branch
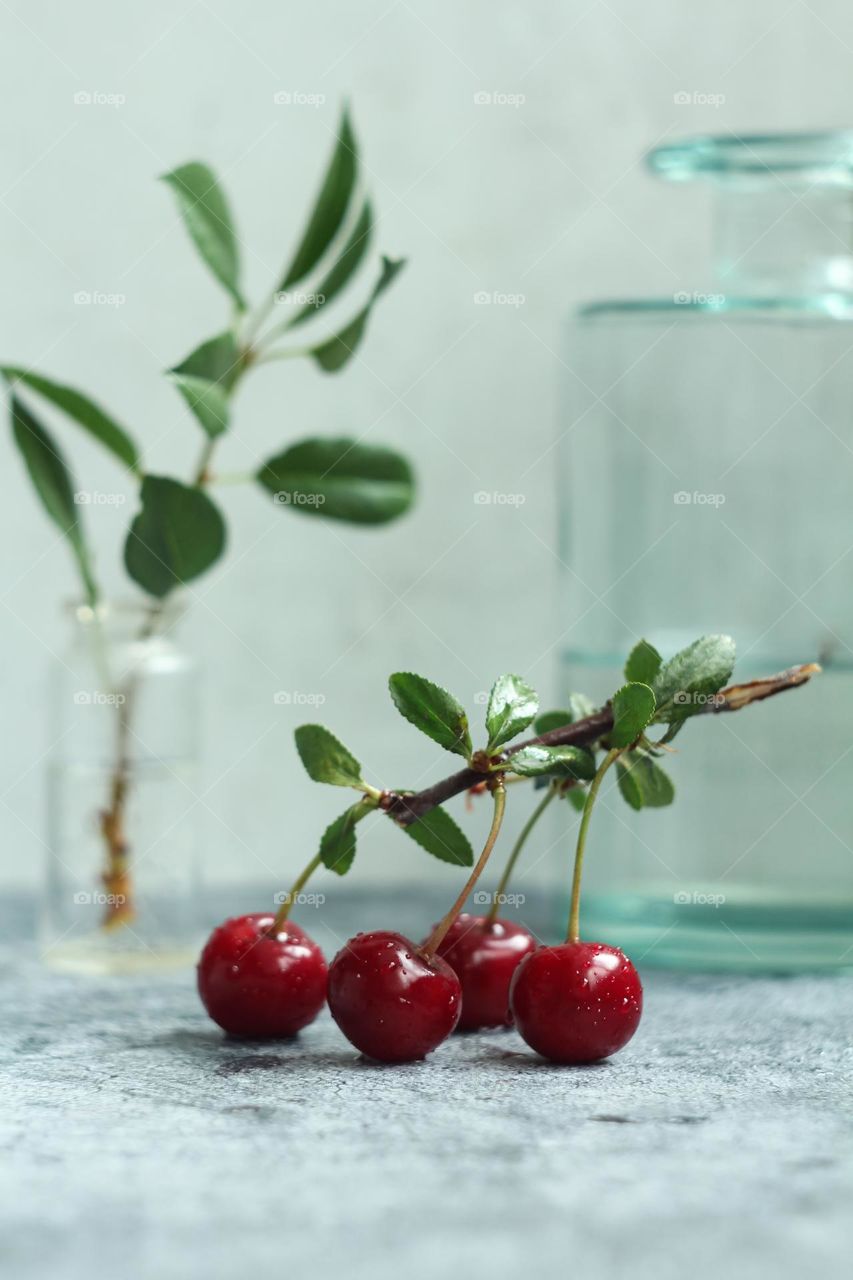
(406, 809)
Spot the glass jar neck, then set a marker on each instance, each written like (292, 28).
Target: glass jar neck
(782, 234)
(125, 621)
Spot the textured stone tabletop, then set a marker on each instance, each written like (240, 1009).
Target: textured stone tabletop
(137, 1142)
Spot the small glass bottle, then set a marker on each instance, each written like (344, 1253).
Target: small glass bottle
(707, 485)
(123, 880)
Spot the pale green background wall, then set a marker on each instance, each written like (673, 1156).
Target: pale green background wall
(544, 199)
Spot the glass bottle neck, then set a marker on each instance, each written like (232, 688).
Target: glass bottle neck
(782, 235)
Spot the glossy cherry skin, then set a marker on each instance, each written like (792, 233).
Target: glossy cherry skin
(390, 1002)
(578, 1002)
(484, 955)
(259, 985)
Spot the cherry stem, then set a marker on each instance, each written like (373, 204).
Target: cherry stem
(437, 936)
(290, 898)
(519, 845)
(573, 934)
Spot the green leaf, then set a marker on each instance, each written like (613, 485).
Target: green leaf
(633, 708)
(337, 846)
(178, 534)
(549, 720)
(576, 798)
(558, 762)
(216, 360)
(629, 786)
(644, 662)
(334, 353)
(344, 268)
(643, 783)
(88, 415)
(207, 400)
(512, 707)
(686, 684)
(330, 206)
(442, 837)
(341, 480)
(325, 758)
(208, 220)
(432, 710)
(53, 484)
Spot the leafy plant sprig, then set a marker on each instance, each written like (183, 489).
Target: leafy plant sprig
(569, 755)
(179, 531)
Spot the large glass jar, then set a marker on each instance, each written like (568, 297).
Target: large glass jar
(122, 884)
(707, 485)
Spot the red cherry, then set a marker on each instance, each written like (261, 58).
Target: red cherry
(484, 954)
(260, 985)
(390, 1001)
(578, 1002)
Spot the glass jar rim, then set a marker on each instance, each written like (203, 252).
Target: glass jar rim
(827, 152)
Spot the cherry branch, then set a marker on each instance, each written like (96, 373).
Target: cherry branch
(406, 809)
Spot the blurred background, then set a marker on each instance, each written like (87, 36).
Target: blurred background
(503, 144)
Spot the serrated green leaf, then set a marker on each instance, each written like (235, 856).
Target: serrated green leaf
(344, 268)
(643, 783)
(208, 220)
(686, 684)
(644, 662)
(558, 762)
(52, 482)
(330, 206)
(88, 415)
(335, 352)
(341, 480)
(216, 360)
(325, 758)
(633, 709)
(432, 710)
(176, 536)
(512, 706)
(207, 400)
(437, 832)
(337, 846)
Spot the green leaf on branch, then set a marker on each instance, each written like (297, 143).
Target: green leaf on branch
(53, 484)
(344, 268)
(633, 709)
(337, 846)
(330, 206)
(437, 832)
(686, 684)
(576, 797)
(341, 480)
(216, 360)
(88, 415)
(208, 221)
(325, 758)
(559, 762)
(551, 720)
(334, 353)
(207, 400)
(432, 710)
(178, 534)
(644, 662)
(512, 707)
(643, 784)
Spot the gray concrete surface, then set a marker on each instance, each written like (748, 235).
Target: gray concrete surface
(137, 1143)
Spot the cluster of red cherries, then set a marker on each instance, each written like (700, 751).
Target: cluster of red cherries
(574, 1003)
